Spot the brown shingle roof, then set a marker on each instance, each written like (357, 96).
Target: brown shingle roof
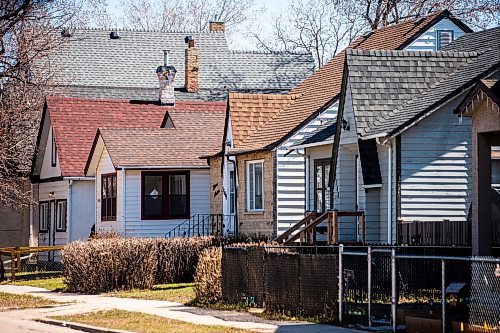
(249, 111)
(75, 122)
(324, 85)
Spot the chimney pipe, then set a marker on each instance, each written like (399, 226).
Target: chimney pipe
(166, 55)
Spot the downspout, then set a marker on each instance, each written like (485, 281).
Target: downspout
(70, 209)
(32, 236)
(123, 200)
(389, 194)
(235, 195)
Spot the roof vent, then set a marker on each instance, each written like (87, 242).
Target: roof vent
(418, 20)
(114, 35)
(65, 32)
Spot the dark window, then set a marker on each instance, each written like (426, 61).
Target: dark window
(165, 195)
(53, 157)
(44, 216)
(61, 215)
(321, 188)
(444, 37)
(108, 197)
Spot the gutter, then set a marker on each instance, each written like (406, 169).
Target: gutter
(157, 167)
(315, 144)
(78, 178)
(389, 188)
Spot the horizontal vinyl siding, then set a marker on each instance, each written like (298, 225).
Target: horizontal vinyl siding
(291, 182)
(428, 40)
(436, 168)
(135, 226)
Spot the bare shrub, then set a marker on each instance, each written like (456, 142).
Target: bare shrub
(208, 276)
(109, 264)
(104, 235)
(178, 257)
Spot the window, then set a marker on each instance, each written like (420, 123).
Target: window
(255, 181)
(444, 37)
(61, 215)
(53, 157)
(321, 185)
(108, 197)
(232, 191)
(165, 195)
(44, 216)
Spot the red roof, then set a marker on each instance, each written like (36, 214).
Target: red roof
(75, 122)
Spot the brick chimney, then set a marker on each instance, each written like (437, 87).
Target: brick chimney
(192, 82)
(166, 78)
(214, 26)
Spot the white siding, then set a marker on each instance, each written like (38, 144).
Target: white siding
(49, 171)
(428, 40)
(290, 192)
(436, 168)
(82, 210)
(60, 189)
(135, 226)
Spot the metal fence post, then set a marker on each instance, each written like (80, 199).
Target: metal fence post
(393, 288)
(341, 283)
(443, 295)
(369, 259)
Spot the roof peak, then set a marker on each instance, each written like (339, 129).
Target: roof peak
(109, 29)
(407, 53)
(269, 52)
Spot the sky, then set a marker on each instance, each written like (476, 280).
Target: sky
(271, 8)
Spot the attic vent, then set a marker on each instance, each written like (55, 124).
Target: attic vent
(167, 121)
(65, 33)
(114, 35)
(419, 20)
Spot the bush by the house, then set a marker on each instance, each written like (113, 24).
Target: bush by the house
(177, 257)
(208, 276)
(109, 264)
(113, 263)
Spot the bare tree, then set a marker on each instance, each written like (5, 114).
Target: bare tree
(314, 26)
(185, 15)
(27, 29)
(379, 13)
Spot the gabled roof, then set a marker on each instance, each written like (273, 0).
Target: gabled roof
(483, 88)
(443, 75)
(323, 87)
(93, 65)
(75, 122)
(249, 111)
(377, 95)
(324, 133)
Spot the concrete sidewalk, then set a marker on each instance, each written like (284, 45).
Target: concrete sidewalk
(87, 303)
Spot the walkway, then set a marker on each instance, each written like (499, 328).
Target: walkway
(86, 303)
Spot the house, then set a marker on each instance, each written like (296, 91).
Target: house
(399, 154)
(271, 144)
(109, 82)
(482, 104)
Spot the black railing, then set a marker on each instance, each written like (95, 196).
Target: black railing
(218, 225)
(435, 233)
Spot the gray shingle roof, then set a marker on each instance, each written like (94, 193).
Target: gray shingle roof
(324, 132)
(387, 101)
(90, 61)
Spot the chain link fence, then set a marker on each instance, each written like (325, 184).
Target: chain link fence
(30, 263)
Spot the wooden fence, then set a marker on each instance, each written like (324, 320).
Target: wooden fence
(15, 254)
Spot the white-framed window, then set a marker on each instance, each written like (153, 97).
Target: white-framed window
(444, 37)
(61, 215)
(53, 157)
(255, 188)
(44, 216)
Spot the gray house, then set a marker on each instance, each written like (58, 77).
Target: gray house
(401, 156)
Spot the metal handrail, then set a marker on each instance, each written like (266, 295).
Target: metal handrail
(199, 225)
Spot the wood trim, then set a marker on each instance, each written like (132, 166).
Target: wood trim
(106, 218)
(57, 214)
(40, 230)
(165, 195)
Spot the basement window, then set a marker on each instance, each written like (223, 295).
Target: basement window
(255, 188)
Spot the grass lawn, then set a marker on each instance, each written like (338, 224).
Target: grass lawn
(53, 284)
(142, 323)
(13, 301)
(174, 292)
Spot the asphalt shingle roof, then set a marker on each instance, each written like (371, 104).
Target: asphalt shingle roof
(323, 86)
(417, 83)
(89, 61)
(75, 122)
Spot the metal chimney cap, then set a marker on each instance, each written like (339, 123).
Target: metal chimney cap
(187, 39)
(65, 32)
(114, 35)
